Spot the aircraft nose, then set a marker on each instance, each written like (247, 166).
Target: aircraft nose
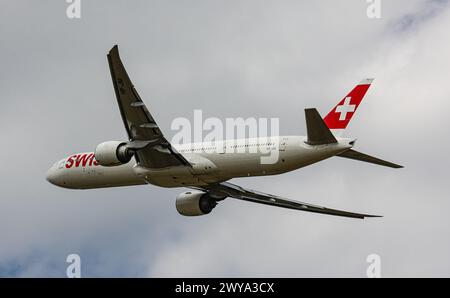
(52, 176)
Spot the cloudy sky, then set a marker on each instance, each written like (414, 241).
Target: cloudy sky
(230, 59)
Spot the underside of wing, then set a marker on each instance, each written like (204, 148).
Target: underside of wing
(237, 192)
(138, 121)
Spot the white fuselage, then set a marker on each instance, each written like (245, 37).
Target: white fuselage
(211, 162)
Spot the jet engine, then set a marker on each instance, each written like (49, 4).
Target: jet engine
(194, 203)
(113, 153)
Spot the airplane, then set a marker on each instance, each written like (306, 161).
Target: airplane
(206, 172)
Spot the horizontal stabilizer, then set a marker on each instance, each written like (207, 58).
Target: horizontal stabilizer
(318, 132)
(352, 154)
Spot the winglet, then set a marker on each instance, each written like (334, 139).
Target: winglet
(115, 48)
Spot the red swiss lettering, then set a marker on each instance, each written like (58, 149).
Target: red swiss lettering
(83, 159)
(69, 162)
(78, 160)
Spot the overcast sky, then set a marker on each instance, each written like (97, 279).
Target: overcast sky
(230, 59)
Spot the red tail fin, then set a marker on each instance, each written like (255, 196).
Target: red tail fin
(339, 117)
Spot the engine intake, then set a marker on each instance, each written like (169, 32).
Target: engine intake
(113, 153)
(194, 203)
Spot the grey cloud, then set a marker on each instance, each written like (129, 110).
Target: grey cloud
(412, 21)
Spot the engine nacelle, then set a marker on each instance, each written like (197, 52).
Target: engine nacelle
(194, 203)
(113, 153)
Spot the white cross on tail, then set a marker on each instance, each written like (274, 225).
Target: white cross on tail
(345, 108)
